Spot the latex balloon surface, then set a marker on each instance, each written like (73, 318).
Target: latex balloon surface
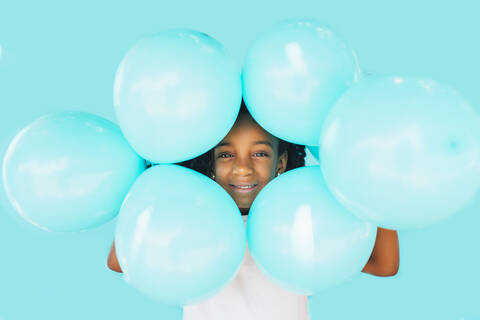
(176, 95)
(293, 75)
(69, 171)
(302, 238)
(402, 152)
(180, 237)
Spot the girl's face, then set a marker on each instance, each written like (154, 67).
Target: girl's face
(246, 160)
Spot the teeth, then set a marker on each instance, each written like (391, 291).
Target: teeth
(246, 187)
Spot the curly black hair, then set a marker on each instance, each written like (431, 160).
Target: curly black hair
(204, 162)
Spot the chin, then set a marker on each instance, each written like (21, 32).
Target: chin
(244, 205)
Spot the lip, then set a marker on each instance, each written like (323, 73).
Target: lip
(244, 190)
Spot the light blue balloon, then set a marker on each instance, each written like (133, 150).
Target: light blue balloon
(69, 171)
(176, 95)
(293, 75)
(180, 237)
(402, 152)
(302, 238)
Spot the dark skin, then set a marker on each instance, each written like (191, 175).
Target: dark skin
(246, 160)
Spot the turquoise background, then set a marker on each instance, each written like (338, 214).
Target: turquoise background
(63, 56)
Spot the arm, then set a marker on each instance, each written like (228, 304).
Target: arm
(384, 260)
(112, 261)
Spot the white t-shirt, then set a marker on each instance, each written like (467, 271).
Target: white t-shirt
(250, 296)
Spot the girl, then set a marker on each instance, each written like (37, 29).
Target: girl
(243, 163)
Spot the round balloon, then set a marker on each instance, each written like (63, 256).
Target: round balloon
(180, 237)
(302, 238)
(402, 152)
(292, 76)
(176, 95)
(69, 171)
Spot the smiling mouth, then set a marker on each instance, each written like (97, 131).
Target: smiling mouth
(244, 188)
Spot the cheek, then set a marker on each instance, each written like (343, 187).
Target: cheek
(266, 171)
(221, 169)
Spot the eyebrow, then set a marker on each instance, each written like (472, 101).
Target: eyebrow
(226, 143)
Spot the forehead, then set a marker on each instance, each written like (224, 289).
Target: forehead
(246, 131)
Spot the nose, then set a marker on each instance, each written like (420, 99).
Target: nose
(243, 167)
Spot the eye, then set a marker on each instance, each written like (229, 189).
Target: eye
(221, 155)
(262, 154)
